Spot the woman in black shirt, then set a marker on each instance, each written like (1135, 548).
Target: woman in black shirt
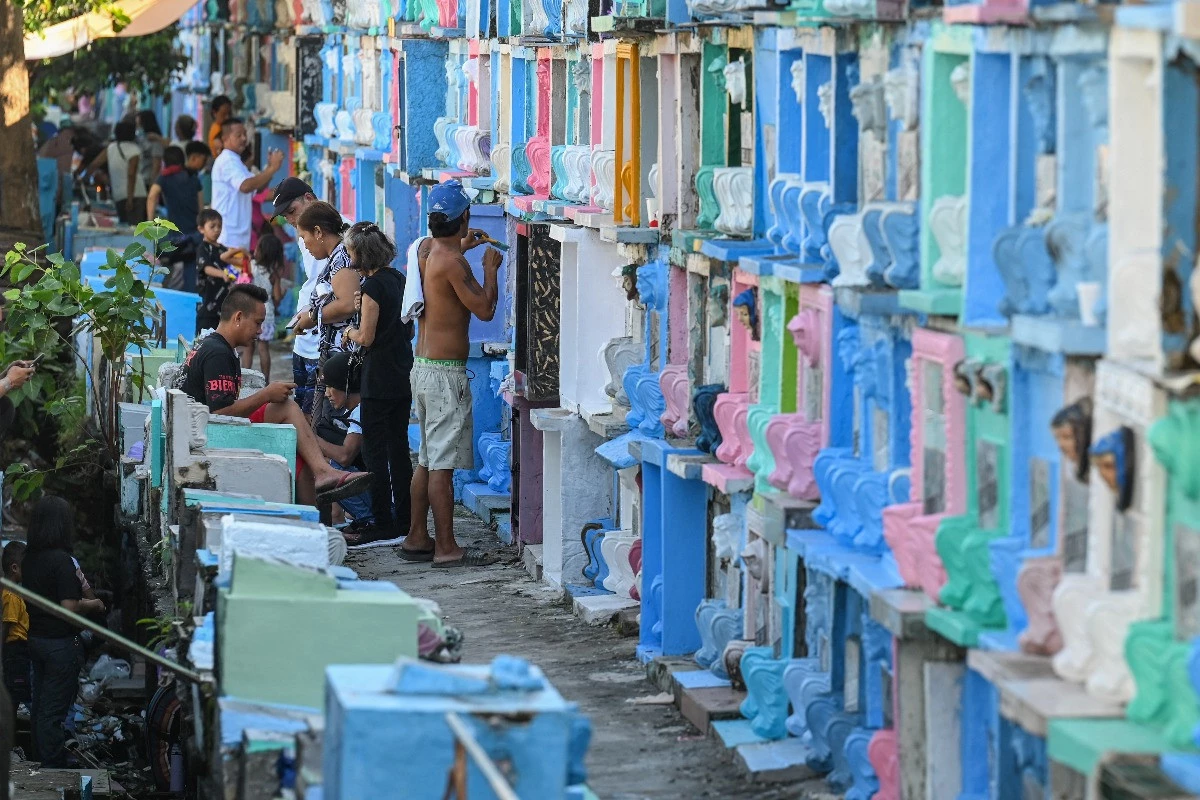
(386, 342)
(55, 648)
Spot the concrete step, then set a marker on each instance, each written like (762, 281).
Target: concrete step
(484, 502)
(782, 761)
(599, 607)
(532, 554)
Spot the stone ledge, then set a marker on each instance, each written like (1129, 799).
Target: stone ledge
(783, 761)
(532, 557)
(600, 609)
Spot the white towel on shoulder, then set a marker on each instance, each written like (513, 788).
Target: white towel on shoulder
(413, 304)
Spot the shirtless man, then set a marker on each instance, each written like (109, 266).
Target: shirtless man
(440, 389)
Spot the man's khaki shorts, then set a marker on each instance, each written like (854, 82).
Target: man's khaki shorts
(442, 395)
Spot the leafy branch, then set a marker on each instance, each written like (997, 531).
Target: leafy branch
(54, 310)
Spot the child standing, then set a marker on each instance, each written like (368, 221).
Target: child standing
(15, 621)
(267, 273)
(386, 341)
(214, 273)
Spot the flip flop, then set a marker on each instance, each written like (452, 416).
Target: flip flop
(358, 540)
(350, 484)
(414, 555)
(471, 557)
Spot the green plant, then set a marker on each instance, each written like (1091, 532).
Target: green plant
(167, 630)
(52, 309)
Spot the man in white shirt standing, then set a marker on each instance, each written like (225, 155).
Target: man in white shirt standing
(233, 185)
(292, 196)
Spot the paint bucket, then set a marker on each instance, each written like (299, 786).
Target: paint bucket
(1089, 296)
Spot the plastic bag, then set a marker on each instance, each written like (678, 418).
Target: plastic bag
(107, 668)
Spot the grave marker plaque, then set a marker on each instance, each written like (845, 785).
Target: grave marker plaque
(1187, 581)
(1039, 503)
(1123, 552)
(987, 476)
(933, 456)
(310, 75)
(1075, 526)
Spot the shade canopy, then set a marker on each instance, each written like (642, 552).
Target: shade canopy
(146, 16)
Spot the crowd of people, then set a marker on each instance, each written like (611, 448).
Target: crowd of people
(357, 379)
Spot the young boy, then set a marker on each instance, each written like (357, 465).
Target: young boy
(215, 277)
(339, 436)
(15, 627)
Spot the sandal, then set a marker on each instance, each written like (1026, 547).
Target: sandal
(414, 555)
(348, 485)
(471, 557)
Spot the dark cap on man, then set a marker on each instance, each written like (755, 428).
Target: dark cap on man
(288, 191)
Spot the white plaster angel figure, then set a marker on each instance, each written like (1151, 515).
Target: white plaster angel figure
(825, 102)
(735, 81)
(798, 80)
(960, 79)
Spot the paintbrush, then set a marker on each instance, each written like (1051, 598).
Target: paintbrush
(498, 245)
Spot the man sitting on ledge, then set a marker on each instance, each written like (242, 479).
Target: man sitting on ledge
(213, 376)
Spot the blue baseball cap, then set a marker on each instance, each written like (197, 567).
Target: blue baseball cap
(449, 198)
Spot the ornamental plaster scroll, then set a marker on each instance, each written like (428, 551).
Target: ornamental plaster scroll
(779, 220)
(314, 12)
(452, 70)
(325, 113)
(558, 171)
(1025, 267)
(381, 123)
(766, 703)
(616, 548)
(762, 460)
(262, 100)
(735, 81)
(581, 71)
(704, 400)
(902, 91)
(1041, 100)
(1036, 583)
(1066, 242)
(718, 626)
(797, 70)
(646, 401)
(815, 204)
(869, 108)
(825, 102)
(808, 334)
(960, 81)
(541, 19)
(577, 159)
(474, 149)
(651, 188)
(731, 411)
(948, 221)
(281, 107)
(851, 249)
(364, 128)
(500, 166)
(673, 381)
(618, 355)
(795, 443)
(576, 20)
(604, 168)
(734, 188)
(368, 68)
(1134, 327)
(884, 755)
(864, 781)
(710, 8)
(495, 452)
(441, 132)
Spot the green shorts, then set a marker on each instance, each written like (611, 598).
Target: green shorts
(442, 396)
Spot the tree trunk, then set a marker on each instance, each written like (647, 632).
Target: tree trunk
(18, 165)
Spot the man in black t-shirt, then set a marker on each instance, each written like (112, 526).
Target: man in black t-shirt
(213, 376)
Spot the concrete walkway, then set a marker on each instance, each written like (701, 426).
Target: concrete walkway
(638, 751)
